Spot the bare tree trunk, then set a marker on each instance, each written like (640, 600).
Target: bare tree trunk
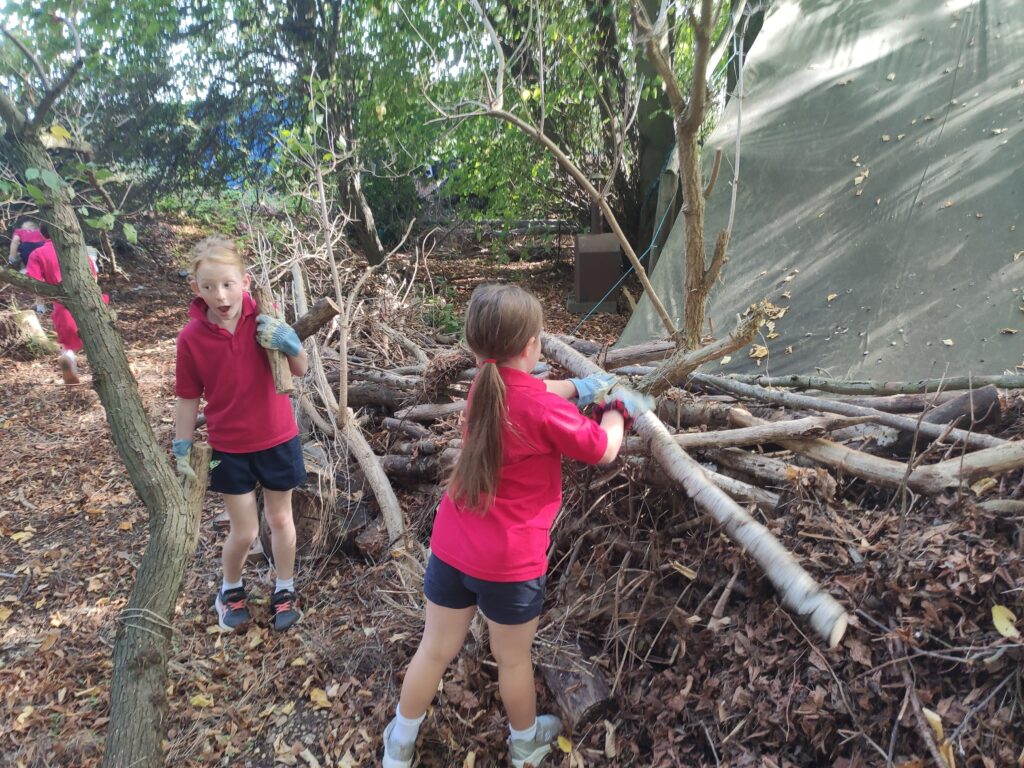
(138, 704)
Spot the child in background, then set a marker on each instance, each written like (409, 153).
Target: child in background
(252, 429)
(492, 529)
(44, 266)
(26, 238)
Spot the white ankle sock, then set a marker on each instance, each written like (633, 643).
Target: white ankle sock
(527, 734)
(225, 585)
(288, 584)
(406, 729)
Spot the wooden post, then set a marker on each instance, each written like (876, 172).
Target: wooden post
(278, 360)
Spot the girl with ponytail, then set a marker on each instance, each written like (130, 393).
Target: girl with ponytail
(491, 533)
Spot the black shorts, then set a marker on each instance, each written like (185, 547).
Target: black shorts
(276, 469)
(503, 602)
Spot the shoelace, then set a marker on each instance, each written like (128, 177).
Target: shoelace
(284, 605)
(235, 605)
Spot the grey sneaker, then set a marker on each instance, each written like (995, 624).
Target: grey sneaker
(530, 753)
(396, 755)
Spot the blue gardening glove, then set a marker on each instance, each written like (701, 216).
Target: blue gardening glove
(627, 402)
(277, 334)
(590, 388)
(181, 450)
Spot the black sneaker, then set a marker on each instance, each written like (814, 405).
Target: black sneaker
(232, 612)
(284, 610)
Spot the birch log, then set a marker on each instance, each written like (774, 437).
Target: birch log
(278, 361)
(796, 587)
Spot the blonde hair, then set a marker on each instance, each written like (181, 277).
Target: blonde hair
(500, 321)
(215, 248)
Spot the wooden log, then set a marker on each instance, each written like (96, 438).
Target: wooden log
(409, 428)
(745, 493)
(765, 469)
(278, 360)
(579, 687)
(901, 403)
(431, 411)
(932, 479)
(321, 313)
(363, 393)
(811, 426)
(840, 387)
(933, 431)
(796, 587)
(976, 409)
(1003, 506)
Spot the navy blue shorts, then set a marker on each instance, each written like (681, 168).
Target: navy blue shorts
(503, 602)
(276, 469)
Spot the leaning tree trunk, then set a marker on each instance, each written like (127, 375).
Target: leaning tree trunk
(138, 704)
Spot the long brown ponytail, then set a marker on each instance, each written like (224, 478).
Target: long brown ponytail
(500, 321)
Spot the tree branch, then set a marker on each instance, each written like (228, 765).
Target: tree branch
(581, 179)
(649, 38)
(28, 55)
(31, 285)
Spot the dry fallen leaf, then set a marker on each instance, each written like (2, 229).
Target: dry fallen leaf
(201, 701)
(984, 485)
(470, 761)
(948, 342)
(757, 351)
(725, 360)
(5, 614)
(891, 76)
(831, 296)
(610, 750)
(1008, 331)
(886, 137)
(319, 698)
(1005, 622)
(564, 744)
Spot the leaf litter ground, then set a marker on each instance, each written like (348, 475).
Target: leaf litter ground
(749, 689)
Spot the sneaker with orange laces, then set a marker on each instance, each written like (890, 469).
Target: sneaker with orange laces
(284, 609)
(231, 609)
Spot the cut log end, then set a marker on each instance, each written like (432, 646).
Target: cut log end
(838, 630)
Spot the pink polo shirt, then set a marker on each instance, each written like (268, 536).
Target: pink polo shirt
(44, 266)
(244, 413)
(510, 541)
(29, 235)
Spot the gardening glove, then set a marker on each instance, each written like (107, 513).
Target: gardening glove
(624, 400)
(588, 389)
(182, 450)
(277, 334)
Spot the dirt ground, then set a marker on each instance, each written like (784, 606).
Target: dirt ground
(755, 691)
(72, 531)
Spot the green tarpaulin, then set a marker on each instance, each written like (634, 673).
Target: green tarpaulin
(881, 194)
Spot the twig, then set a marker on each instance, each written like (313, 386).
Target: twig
(923, 729)
(955, 735)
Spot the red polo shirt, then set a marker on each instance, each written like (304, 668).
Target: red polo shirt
(510, 541)
(244, 413)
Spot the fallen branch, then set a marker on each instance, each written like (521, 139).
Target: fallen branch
(841, 387)
(686, 361)
(811, 426)
(322, 312)
(931, 479)
(278, 361)
(798, 590)
(934, 431)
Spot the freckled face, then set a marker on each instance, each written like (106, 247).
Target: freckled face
(221, 286)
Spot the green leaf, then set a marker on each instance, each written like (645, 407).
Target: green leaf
(37, 194)
(130, 233)
(52, 180)
(31, 174)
